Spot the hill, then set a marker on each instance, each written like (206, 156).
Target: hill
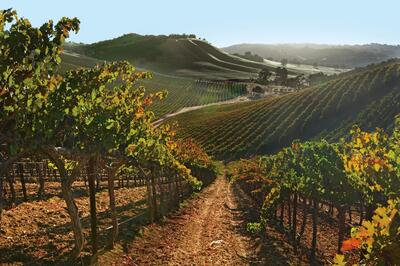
(71, 60)
(369, 97)
(177, 55)
(344, 56)
(183, 92)
(171, 55)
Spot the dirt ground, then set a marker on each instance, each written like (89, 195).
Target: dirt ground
(38, 232)
(210, 230)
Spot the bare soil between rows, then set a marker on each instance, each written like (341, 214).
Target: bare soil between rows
(209, 230)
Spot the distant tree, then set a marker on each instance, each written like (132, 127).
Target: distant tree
(317, 78)
(247, 53)
(264, 75)
(298, 82)
(258, 89)
(315, 65)
(281, 75)
(284, 62)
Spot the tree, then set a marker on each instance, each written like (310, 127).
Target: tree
(284, 62)
(264, 75)
(281, 75)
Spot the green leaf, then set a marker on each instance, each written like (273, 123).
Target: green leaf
(88, 120)
(94, 95)
(75, 111)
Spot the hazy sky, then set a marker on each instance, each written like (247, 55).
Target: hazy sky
(224, 22)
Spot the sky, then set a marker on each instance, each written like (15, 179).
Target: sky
(224, 22)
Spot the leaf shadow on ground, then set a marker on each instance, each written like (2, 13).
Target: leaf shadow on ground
(267, 249)
(26, 254)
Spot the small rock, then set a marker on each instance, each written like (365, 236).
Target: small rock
(216, 242)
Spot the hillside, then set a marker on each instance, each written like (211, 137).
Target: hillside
(344, 56)
(182, 92)
(369, 97)
(72, 61)
(187, 92)
(176, 55)
(171, 55)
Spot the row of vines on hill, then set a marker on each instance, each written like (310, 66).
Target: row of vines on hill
(368, 97)
(185, 92)
(361, 174)
(85, 122)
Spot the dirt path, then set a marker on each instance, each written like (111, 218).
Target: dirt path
(206, 232)
(209, 230)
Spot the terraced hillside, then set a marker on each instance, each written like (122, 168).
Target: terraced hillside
(172, 55)
(186, 92)
(369, 97)
(73, 60)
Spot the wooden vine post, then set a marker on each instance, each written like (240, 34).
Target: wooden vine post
(111, 177)
(92, 176)
(149, 196)
(10, 180)
(154, 192)
(1, 199)
(314, 227)
(341, 221)
(22, 179)
(41, 172)
(294, 231)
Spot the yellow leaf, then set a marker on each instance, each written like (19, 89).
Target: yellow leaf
(339, 260)
(377, 167)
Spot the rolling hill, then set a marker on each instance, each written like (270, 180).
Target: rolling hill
(183, 92)
(174, 55)
(369, 97)
(71, 60)
(344, 56)
(171, 55)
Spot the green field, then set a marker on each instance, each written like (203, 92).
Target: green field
(369, 97)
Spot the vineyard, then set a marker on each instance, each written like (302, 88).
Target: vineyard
(79, 153)
(184, 92)
(368, 97)
(90, 176)
(336, 186)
